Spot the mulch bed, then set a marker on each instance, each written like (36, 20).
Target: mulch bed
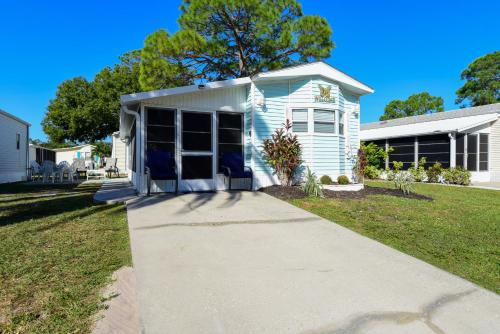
(296, 192)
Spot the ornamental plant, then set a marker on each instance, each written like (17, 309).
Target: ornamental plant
(311, 186)
(434, 172)
(283, 153)
(342, 179)
(360, 166)
(403, 180)
(325, 179)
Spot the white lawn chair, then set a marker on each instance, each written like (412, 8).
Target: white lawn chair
(77, 167)
(35, 170)
(48, 170)
(62, 168)
(110, 167)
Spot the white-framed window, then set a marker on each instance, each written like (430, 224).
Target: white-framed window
(299, 120)
(324, 121)
(18, 141)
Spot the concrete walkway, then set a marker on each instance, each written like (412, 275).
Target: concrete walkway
(486, 185)
(115, 191)
(244, 262)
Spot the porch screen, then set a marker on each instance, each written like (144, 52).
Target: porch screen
(403, 151)
(435, 148)
(472, 152)
(196, 131)
(460, 150)
(230, 135)
(161, 130)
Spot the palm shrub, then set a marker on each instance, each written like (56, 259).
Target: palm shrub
(283, 153)
(311, 186)
(325, 179)
(403, 180)
(372, 172)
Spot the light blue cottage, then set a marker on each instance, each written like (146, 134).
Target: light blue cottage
(198, 124)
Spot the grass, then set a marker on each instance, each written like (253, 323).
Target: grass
(459, 231)
(57, 250)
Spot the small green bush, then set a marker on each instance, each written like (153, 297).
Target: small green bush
(419, 174)
(397, 165)
(389, 173)
(311, 185)
(434, 172)
(342, 179)
(403, 180)
(457, 176)
(372, 172)
(325, 179)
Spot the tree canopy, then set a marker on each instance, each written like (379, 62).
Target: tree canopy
(220, 39)
(87, 111)
(482, 84)
(416, 104)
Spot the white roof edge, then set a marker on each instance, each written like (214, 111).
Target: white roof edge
(71, 147)
(319, 68)
(381, 133)
(124, 99)
(3, 112)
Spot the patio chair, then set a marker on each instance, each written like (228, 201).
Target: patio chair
(77, 167)
(48, 170)
(35, 171)
(234, 167)
(110, 167)
(160, 165)
(64, 168)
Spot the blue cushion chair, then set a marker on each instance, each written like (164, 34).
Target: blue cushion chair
(233, 166)
(160, 165)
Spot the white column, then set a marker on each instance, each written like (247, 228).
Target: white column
(465, 151)
(453, 150)
(387, 149)
(416, 151)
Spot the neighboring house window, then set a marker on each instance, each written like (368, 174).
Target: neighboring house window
(324, 121)
(483, 151)
(18, 141)
(341, 123)
(299, 120)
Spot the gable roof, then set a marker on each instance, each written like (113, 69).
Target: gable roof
(3, 112)
(310, 69)
(449, 121)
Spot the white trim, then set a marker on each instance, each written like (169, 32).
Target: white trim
(3, 112)
(252, 120)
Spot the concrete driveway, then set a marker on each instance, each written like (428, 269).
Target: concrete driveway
(244, 262)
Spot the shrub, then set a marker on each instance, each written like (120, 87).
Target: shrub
(418, 173)
(375, 155)
(403, 180)
(389, 174)
(325, 179)
(372, 172)
(434, 172)
(311, 185)
(283, 153)
(397, 165)
(342, 179)
(457, 176)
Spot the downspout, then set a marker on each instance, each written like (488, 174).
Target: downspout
(27, 150)
(137, 152)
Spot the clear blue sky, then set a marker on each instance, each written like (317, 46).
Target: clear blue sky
(397, 47)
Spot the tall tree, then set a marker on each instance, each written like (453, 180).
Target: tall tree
(87, 111)
(220, 39)
(482, 84)
(416, 104)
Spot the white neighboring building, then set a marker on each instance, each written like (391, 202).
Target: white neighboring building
(40, 154)
(468, 138)
(14, 139)
(119, 151)
(76, 152)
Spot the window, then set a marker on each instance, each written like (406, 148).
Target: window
(196, 131)
(472, 152)
(483, 151)
(230, 134)
(324, 121)
(18, 141)
(341, 123)
(133, 147)
(299, 120)
(161, 130)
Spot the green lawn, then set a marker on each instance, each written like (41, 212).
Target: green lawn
(57, 250)
(459, 231)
